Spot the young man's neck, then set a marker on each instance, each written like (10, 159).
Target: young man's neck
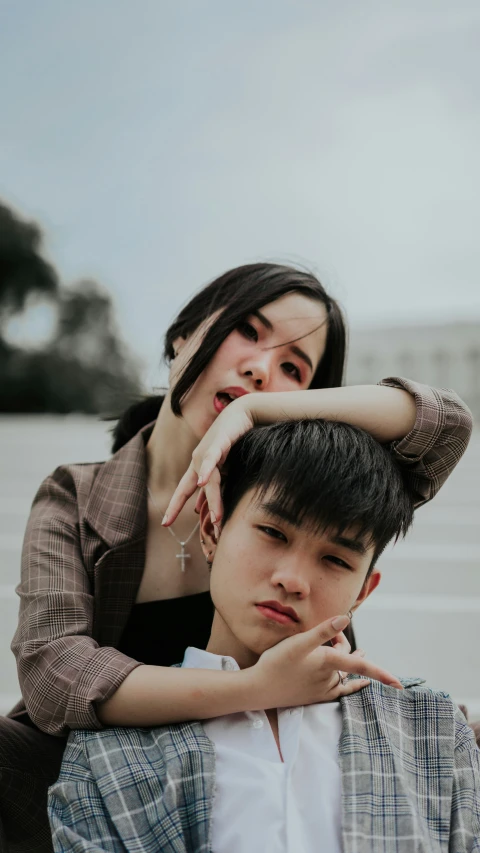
(223, 642)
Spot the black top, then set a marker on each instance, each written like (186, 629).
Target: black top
(158, 632)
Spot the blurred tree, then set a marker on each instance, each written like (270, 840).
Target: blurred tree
(23, 270)
(85, 367)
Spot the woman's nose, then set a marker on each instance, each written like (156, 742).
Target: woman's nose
(260, 372)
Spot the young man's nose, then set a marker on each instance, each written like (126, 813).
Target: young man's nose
(292, 580)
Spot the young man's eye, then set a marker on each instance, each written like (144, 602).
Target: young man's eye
(293, 370)
(337, 561)
(248, 331)
(272, 532)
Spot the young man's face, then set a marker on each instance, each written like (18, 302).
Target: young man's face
(263, 564)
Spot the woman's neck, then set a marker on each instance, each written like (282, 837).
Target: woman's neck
(169, 450)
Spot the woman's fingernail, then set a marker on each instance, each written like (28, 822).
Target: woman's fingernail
(165, 518)
(200, 481)
(217, 531)
(213, 518)
(361, 653)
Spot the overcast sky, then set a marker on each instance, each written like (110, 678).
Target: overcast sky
(160, 143)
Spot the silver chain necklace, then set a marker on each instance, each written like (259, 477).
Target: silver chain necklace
(182, 556)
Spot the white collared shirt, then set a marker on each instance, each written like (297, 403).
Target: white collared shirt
(264, 805)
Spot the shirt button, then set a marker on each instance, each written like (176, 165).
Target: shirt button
(228, 664)
(257, 724)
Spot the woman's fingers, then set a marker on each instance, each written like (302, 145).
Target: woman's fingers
(352, 686)
(182, 493)
(200, 501)
(359, 666)
(340, 643)
(214, 497)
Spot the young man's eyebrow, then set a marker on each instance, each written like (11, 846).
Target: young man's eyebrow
(274, 511)
(296, 350)
(277, 512)
(354, 545)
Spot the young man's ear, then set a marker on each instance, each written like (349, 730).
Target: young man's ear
(368, 587)
(207, 533)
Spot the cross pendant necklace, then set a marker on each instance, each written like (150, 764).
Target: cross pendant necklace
(182, 556)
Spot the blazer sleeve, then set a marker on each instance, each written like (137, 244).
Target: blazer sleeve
(62, 670)
(438, 440)
(465, 818)
(79, 820)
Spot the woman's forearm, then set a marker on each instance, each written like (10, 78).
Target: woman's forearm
(157, 695)
(388, 414)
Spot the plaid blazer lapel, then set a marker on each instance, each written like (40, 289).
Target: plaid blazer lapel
(117, 512)
(396, 755)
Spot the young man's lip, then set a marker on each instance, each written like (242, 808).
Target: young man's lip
(280, 608)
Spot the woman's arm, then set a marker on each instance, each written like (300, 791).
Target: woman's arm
(68, 681)
(428, 431)
(297, 671)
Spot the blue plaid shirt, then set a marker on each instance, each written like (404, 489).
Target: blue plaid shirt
(410, 780)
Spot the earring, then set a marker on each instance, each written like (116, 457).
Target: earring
(202, 541)
(350, 615)
(208, 562)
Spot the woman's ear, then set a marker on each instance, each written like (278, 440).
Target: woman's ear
(207, 533)
(177, 345)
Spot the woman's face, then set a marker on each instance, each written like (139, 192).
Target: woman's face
(278, 348)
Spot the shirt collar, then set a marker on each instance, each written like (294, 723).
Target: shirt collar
(200, 659)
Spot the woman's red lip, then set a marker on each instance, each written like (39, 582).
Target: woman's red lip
(234, 390)
(285, 617)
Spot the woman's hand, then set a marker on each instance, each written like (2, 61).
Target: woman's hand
(207, 458)
(302, 670)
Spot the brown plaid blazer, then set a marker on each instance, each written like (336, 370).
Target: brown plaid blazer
(84, 553)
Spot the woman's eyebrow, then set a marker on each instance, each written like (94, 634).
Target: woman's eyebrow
(266, 322)
(303, 355)
(296, 350)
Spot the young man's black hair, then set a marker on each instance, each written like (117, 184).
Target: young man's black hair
(324, 475)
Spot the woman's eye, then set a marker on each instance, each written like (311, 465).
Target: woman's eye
(293, 370)
(248, 331)
(273, 532)
(337, 561)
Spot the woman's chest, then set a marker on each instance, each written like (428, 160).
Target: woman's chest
(172, 569)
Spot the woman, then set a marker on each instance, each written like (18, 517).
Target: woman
(110, 596)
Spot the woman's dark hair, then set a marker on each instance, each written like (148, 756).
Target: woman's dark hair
(239, 292)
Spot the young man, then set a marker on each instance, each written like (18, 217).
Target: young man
(309, 506)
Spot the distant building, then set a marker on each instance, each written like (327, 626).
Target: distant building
(447, 356)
